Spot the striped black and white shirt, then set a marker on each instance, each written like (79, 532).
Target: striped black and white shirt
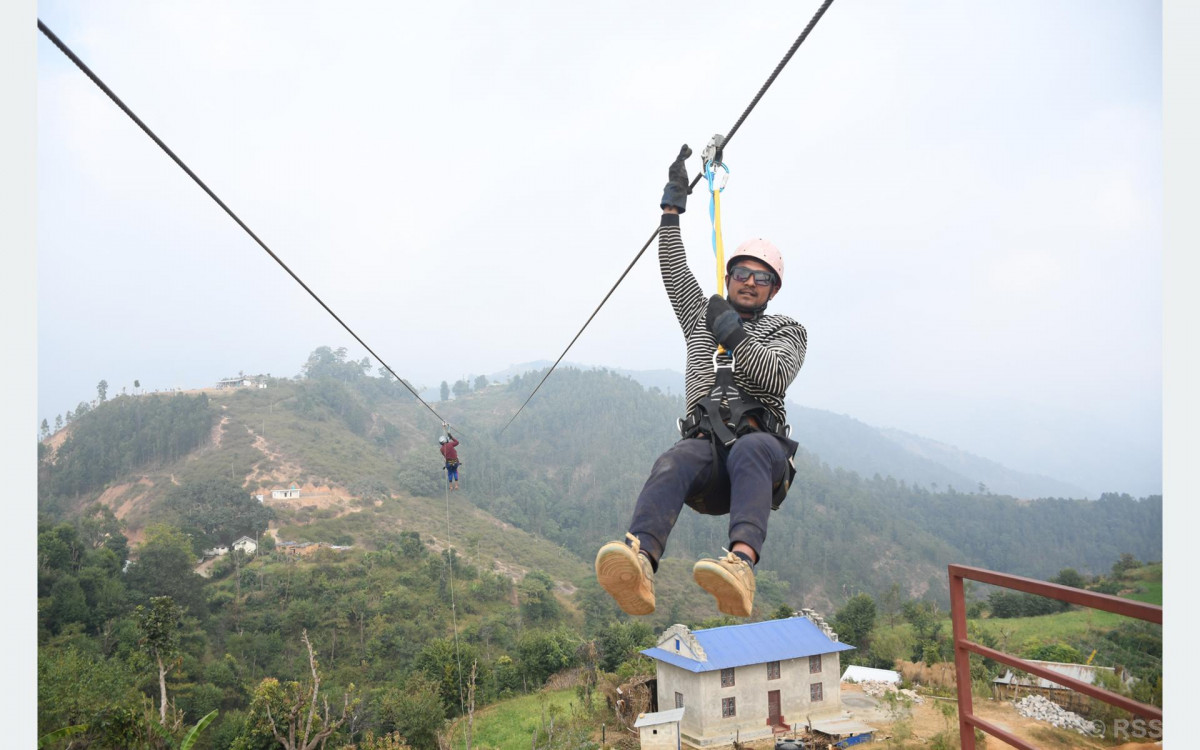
(766, 361)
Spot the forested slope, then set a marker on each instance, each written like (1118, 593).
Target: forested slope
(176, 474)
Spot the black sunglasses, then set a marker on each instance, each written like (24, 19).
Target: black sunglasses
(742, 274)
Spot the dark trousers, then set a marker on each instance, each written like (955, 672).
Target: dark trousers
(746, 474)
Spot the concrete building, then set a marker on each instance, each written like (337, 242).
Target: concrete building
(291, 493)
(246, 545)
(749, 681)
(659, 730)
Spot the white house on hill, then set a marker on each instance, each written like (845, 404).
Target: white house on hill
(291, 493)
(748, 681)
(246, 545)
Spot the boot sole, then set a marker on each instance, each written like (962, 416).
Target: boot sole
(724, 587)
(618, 572)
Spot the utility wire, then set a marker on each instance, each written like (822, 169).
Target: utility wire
(771, 79)
(116, 100)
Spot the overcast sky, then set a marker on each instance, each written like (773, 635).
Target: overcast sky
(968, 197)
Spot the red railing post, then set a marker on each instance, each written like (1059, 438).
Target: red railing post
(962, 661)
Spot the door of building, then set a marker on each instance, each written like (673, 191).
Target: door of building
(773, 712)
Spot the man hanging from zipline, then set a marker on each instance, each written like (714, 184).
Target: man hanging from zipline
(450, 454)
(734, 456)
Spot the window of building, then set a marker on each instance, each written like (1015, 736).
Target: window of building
(676, 644)
(679, 700)
(772, 670)
(728, 707)
(816, 692)
(814, 664)
(727, 677)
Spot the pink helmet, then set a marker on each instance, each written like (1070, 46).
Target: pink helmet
(762, 250)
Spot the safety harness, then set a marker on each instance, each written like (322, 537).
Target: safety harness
(726, 413)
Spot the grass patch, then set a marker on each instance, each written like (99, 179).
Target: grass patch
(511, 724)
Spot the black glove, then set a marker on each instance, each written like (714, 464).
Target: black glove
(675, 192)
(724, 322)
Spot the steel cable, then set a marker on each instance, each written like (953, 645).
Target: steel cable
(116, 100)
(770, 79)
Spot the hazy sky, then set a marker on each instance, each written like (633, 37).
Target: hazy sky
(968, 197)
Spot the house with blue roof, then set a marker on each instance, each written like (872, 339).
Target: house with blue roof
(748, 681)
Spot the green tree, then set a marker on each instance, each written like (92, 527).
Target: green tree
(542, 653)
(621, 641)
(1126, 562)
(854, 621)
(159, 628)
(441, 662)
(1060, 652)
(68, 604)
(165, 567)
(481, 382)
(102, 390)
(136, 384)
(461, 388)
(1069, 577)
(887, 646)
(217, 511)
(75, 685)
(58, 423)
(290, 712)
(445, 391)
(45, 429)
(328, 363)
(414, 711)
(536, 594)
(97, 525)
(783, 612)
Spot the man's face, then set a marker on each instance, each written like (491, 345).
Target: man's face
(747, 293)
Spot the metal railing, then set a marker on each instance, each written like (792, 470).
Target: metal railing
(968, 722)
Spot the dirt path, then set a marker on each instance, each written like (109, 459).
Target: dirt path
(205, 568)
(217, 430)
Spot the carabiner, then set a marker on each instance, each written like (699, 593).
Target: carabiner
(710, 174)
(712, 158)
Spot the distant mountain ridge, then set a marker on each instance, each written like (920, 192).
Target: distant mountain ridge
(847, 443)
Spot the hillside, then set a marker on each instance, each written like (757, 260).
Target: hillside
(411, 587)
(567, 472)
(846, 443)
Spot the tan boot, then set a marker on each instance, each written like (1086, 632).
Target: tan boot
(627, 575)
(730, 580)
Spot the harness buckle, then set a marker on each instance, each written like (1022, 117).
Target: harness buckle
(732, 366)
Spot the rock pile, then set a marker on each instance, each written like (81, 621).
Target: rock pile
(877, 689)
(1043, 709)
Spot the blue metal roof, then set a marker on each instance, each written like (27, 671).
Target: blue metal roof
(753, 643)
